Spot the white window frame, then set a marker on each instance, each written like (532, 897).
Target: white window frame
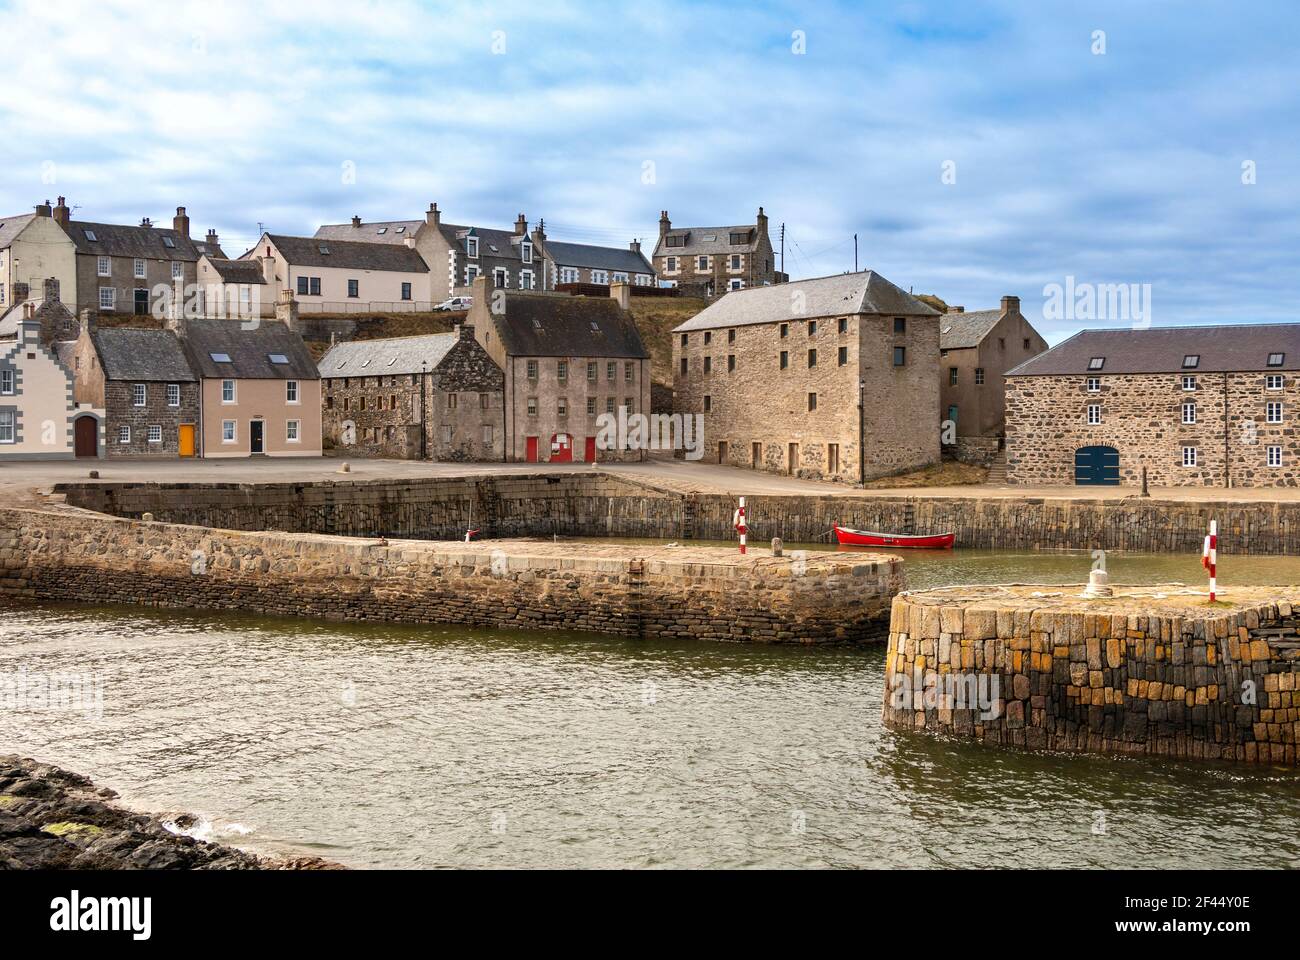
(234, 431)
(471, 247)
(1274, 455)
(1275, 381)
(570, 275)
(124, 433)
(139, 269)
(293, 431)
(1094, 384)
(139, 394)
(1094, 414)
(8, 426)
(178, 270)
(103, 267)
(526, 251)
(1189, 456)
(7, 381)
(108, 298)
(155, 433)
(1189, 413)
(234, 397)
(702, 264)
(173, 394)
(1189, 382)
(599, 276)
(292, 393)
(471, 274)
(670, 265)
(1273, 411)
(736, 284)
(525, 279)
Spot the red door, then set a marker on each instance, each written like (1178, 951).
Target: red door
(531, 456)
(561, 448)
(590, 453)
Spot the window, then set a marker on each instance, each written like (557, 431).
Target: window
(900, 356)
(1275, 381)
(627, 402)
(107, 298)
(812, 357)
(155, 433)
(1273, 411)
(139, 269)
(708, 337)
(315, 286)
(7, 382)
(683, 366)
(124, 434)
(785, 330)
(1189, 413)
(471, 274)
(532, 406)
(525, 279)
(562, 371)
(562, 406)
(532, 369)
(702, 264)
(281, 360)
(406, 291)
(227, 391)
(952, 376)
(843, 357)
(103, 267)
(900, 325)
(708, 364)
(731, 362)
(979, 376)
(1191, 361)
(735, 261)
(302, 286)
(1189, 383)
(670, 265)
(731, 336)
(487, 433)
(785, 359)
(225, 358)
(1096, 363)
(170, 244)
(2, 293)
(139, 394)
(452, 401)
(708, 403)
(812, 402)
(1094, 384)
(1189, 456)
(500, 277)
(471, 246)
(526, 252)
(812, 328)
(591, 406)
(1094, 413)
(678, 241)
(227, 431)
(354, 288)
(90, 235)
(291, 431)
(1275, 359)
(629, 372)
(6, 426)
(843, 325)
(178, 270)
(291, 391)
(1275, 456)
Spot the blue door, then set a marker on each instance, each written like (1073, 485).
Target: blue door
(1096, 466)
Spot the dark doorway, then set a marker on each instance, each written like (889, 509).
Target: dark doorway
(142, 303)
(1096, 466)
(85, 431)
(255, 436)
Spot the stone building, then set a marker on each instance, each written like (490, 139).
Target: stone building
(142, 381)
(568, 363)
(583, 263)
(456, 254)
(1195, 406)
(377, 392)
(834, 378)
(976, 349)
(707, 261)
(56, 320)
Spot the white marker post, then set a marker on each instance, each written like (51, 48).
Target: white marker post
(738, 519)
(1210, 556)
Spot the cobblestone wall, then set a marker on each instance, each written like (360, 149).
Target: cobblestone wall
(1137, 674)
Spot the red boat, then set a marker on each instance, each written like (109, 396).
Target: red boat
(864, 538)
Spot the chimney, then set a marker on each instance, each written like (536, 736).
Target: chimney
(268, 270)
(356, 222)
(761, 223)
(44, 209)
(212, 240)
(286, 309)
(51, 290)
(181, 223)
(521, 226)
(466, 331)
(176, 323)
(88, 321)
(21, 292)
(29, 330)
(664, 223)
(61, 213)
(409, 241)
(621, 291)
(433, 217)
(635, 246)
(1010, 305)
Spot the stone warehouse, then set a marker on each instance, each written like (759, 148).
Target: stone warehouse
(568, 362)
(1193, 406)
(434, 397)
(834, 378)
(708, 261)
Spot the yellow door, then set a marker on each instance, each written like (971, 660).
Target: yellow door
(187, 440)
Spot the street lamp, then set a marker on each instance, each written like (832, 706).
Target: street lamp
(424, 410)
(862, 430)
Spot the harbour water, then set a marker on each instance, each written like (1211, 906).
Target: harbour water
(384, 745)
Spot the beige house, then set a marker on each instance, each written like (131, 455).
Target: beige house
(33, 250)
(976, 349)
(36, 403)
(341, 276)
(236, 288)
(259, 390)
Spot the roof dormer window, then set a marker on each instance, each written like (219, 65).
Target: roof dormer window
(1191, 361)
(471, 246)
(1096, 363)
(1275, 359)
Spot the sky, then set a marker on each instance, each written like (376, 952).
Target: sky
(976, 149)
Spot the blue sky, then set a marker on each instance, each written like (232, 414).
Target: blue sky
(1122, 167)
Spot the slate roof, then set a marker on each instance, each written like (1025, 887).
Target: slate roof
(550, 325)
(621, 259)
(146, 243)
(128, 353)
(10, 227)
(380, 231)
(707, 240)
(9, 323)
(502, 244)
(958, 331)
(837, 296)
(353, 254)
(238, 271)
(1230, 348)
(394, 356)
(249, 350)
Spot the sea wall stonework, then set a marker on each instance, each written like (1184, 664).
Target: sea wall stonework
(1176, 680)
(70, 554)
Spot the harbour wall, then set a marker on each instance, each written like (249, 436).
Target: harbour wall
(1140, 674)
(664, 592)
(606, 505)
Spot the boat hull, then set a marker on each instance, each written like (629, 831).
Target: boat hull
(866, 538)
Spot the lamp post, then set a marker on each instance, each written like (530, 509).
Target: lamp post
(862, 431)
(424, 410)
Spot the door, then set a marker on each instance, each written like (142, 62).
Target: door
(186, 440)
(561, 448)
(722, 451)
(255, 436)
(755, 455)
(531, 455)
(1096, 466)
(792, 465)
(832, 458)
(85, 440)
(142, 303)
(590, 453)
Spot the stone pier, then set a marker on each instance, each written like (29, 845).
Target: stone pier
(1150, 670)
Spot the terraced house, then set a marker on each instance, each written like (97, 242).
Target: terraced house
(336, 276)
(708, 261)
(834, 378)
(435, 397)
(584, 263)
(36, 403)
(1194, 406)
(34, 249)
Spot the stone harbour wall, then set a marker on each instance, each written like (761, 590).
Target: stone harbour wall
(1140, 673)
(702, 593)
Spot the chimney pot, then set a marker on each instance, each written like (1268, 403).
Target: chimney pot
(1010, 304)
(181, 223)
(356, 221)
(61, 212)
(433, 217)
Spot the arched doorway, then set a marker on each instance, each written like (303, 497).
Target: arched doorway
(561, 448)
(1096, 466)
(85, 436)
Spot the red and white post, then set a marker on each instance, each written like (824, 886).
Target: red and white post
(739, 520)
(1210, 555)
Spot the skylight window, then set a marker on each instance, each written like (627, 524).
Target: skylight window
(1191, 361)
(90, 235)
(401, 230)
(365, 363)
(382, 230)
(710, 237)
(278, 358)
(341, 365)
(1275, 359)
(391, 362)
(595, 327)
(169, 243)
(537, 324)
(1096, 363)
(325, 250)
(220, 357)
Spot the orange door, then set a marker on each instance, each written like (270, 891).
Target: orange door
(186, 439)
